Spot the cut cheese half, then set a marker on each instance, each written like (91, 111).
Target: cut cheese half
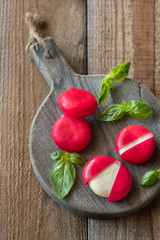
(102, 183)
(135, 142)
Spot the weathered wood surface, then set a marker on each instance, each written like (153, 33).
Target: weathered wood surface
(119, 31)
(81, 200)
(26, 210)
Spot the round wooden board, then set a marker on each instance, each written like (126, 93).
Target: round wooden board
(81, 200)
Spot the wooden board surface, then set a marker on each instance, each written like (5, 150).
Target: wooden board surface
(81, 200)
(26, 210)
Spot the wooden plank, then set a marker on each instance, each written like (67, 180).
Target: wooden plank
(157, 53)
(120, 31)
(66, 21)
(26, 210)
(155, 210)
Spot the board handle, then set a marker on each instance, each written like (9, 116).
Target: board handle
(54, 68)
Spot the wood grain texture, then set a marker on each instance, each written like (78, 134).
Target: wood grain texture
(66, 24)
(120, 31)
(26, 210)
(81, 200)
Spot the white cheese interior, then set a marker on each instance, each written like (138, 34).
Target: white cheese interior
(102, 183)
(135, 142)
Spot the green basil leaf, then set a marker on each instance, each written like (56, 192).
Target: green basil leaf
(120, 72)
(124, 103)
(110, 83)
(62, 176)
(138, 110)
(112, 113)
(76, 158)
(59, 155)
(125, 106)
(158, 172)
(104, 92)
(149, 178)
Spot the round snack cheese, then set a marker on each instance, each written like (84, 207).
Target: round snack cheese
(77, 102)
(135, 144)
(107, 177)
(71, 134)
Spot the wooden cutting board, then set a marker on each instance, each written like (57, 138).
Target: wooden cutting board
(81, 200)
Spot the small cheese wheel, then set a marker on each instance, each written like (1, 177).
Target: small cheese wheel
(102, 183)
(135, 144)
(71, 134)
(107, 177)
(77, 102)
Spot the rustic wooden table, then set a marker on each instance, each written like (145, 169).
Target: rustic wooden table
(94, 36)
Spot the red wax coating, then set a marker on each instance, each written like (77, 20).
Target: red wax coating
(140, 152)
(95, 165)
(123, 180)
(71, 134)
(77, 102)
(129, 134)
(122, 184)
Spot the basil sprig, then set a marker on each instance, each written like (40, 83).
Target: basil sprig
(134, 109)
(150, 177)
(117, 74)
(63, 172)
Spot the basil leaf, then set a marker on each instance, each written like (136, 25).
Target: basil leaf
(62, 176)
(138, 110)
(158, 172)
(104, 92)
(117, 74)
(76, 158)
(120, 72)
(110, 83)
(112, 113)
(149, 178)
(125, 106)
(124, 103)
(134, 109)
(59, 155)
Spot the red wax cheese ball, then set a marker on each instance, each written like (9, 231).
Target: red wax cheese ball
(107, 177)
(77, 102)
(71, 134)
(135, 144)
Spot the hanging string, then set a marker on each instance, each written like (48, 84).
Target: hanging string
(33, 21)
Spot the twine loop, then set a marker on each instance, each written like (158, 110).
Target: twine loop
(33, 21)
